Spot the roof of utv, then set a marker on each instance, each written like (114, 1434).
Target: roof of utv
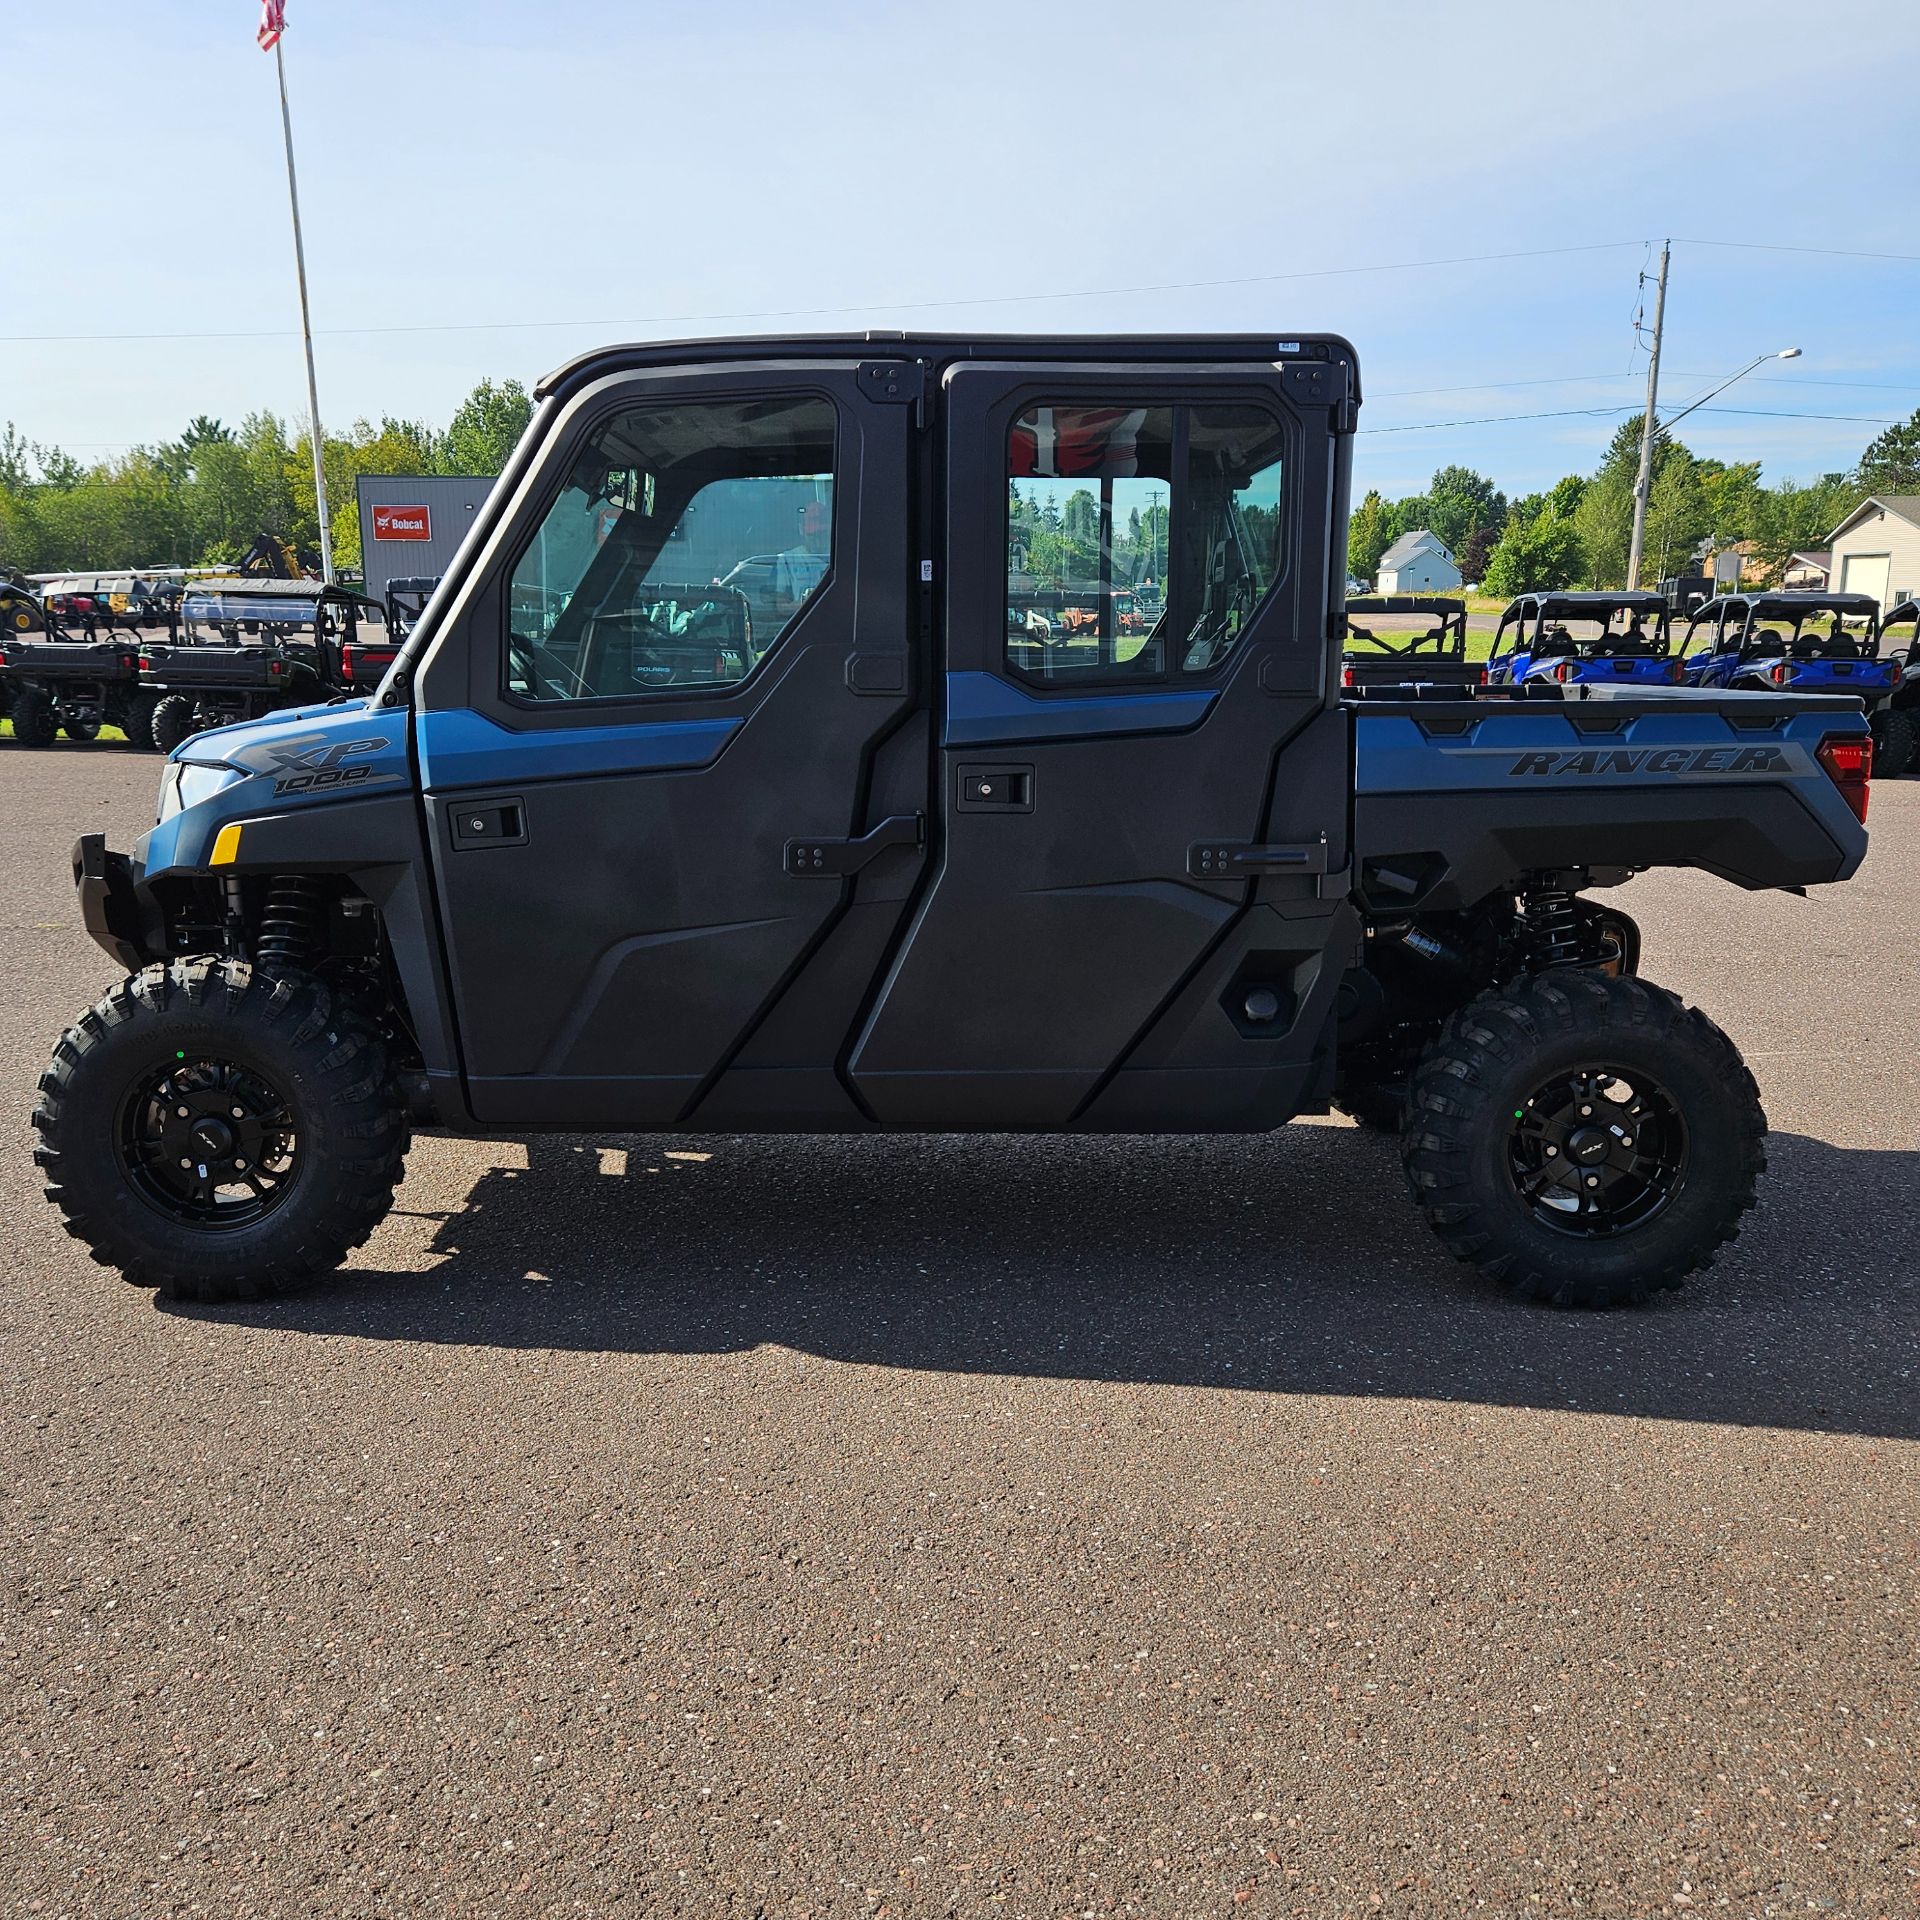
(1592, 601)
(1785, 603)
(945, 348)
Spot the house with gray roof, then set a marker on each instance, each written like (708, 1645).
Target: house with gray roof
(1418, 562)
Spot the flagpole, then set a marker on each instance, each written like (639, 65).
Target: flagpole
(306, 328)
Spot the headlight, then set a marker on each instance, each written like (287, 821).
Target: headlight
(187, 782)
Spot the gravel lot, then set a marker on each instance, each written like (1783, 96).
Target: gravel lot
(1014, 1527)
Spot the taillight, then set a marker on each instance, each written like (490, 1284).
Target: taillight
(275, 668)
(1894, 675)
(146, 664)
(1346, 676)
(1781, 674)
(1482, 680)
(1563, 672)
(1676, 672)
(1848, 759)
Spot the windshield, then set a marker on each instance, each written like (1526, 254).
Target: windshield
(1600, 631)
(1815, 631)
(214, 617)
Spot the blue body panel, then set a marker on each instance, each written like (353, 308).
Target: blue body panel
(302, 756)
(1633, 670)
(1864, 677)
(1394, 754)
(985, 711)
(462, 748)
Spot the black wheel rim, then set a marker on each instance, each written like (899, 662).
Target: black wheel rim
(209, 1143)
(1597, 1151)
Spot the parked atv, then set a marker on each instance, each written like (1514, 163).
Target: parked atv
(54, 682)
(906, 872)
(247, 647)
(1585, 639)
(1793, 640)
(1387, 653)
(1896, 720)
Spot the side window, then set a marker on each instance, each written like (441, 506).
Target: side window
(684, 545)
(1139, 539)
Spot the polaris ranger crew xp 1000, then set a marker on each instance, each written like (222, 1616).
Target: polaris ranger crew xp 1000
(877, 861)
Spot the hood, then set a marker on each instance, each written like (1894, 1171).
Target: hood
(299, 757)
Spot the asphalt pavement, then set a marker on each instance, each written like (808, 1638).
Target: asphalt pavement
(800, 1527)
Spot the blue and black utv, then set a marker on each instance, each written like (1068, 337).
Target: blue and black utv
(1800, 641)
(1584, 639)
(872, 858)
(1896, 718)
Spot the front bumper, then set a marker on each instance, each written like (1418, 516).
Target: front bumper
(110, 906)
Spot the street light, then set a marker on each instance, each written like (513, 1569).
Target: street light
(1643, 483)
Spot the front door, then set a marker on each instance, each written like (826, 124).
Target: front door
(1144, 774)
(671, 700)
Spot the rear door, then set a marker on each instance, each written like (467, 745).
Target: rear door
(1143, 773)
(641, 782)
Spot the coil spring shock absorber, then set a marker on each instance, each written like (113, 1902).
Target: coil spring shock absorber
(1552, 929)
(290, 924)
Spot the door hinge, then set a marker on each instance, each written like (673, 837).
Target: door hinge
(1323, 383)
(898, 383)
(838, 857)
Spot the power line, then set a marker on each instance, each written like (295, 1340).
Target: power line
(1586, 379)
(1598, 413)
(867, 307)
(1825, 253)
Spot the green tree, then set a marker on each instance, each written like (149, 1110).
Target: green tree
(1460, 504)
(1604, 523)
(1731, 494)
(1535, 553)
(1369, 535)
(1789, 518)
(1678, 517)
(486, 428)
(1891, 463)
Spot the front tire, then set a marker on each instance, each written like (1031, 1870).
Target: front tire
(1584, 1140)
(220, 1133)
(173, 722)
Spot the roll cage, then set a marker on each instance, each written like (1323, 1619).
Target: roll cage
(1765, 626)
(1445, 638)
(1537, 624)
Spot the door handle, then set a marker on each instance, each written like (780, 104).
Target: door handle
(495, 821)
(839, 857)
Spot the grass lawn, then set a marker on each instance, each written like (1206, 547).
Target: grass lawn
(109, 736)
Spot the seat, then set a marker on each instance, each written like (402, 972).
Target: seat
(1553, 642)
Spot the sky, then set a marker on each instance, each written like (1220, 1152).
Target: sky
(491, 188)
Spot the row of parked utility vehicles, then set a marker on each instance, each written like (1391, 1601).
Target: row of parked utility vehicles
(221, 650)
(1789, 641)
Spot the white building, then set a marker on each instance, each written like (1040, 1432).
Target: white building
(1876, 549)
(1418, 562)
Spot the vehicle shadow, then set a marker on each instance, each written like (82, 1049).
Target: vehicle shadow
(1288, 1264)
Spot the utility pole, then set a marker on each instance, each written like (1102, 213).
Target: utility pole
(306, 329)
(1643, 484)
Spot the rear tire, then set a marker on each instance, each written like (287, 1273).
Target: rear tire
(219, 1133)
(137, 723)
(1584, 1140)
(35, 724)
(1895, 737)
(173, 722)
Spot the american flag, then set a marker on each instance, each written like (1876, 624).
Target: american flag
(273, 23)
